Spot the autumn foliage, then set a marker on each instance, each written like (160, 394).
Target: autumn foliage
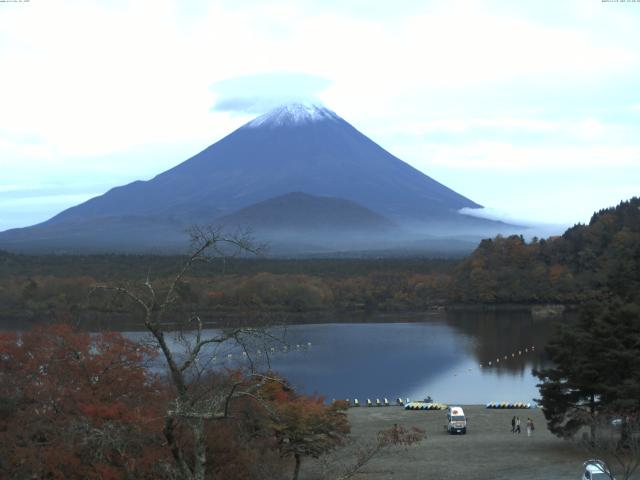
(304, 426)
(75, 405)
(85, 406)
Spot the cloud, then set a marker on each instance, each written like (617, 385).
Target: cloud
(465, 124)
(494, 214)
(57, 200)
(10, 188)
(509, 156)
(584, 131)
(252, 94)
(529, 228)
(24, 211)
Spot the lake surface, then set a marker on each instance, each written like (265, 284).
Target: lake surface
(454, 357)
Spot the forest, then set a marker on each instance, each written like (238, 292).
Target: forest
(592, 379)
(580, 265)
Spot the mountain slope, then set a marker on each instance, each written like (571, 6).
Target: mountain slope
(295, 148)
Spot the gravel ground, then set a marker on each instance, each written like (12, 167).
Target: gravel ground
(489, 451)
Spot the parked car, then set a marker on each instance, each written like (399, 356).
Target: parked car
(617, 422)
(595, 469)
(456, 421)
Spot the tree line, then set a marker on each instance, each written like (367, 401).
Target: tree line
(582, 264)
(591, 389)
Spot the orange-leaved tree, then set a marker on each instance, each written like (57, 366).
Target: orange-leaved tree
(304, 426)
(75, 405)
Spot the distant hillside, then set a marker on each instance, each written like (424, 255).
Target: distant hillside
(134, 234)
(589, 261)
(298, 211)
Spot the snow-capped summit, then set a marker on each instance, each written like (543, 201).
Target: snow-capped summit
(340, 178)
(293, 114)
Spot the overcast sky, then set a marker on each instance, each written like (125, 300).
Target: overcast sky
(529, 108)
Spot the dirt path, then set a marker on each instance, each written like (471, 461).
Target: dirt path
(489, 451)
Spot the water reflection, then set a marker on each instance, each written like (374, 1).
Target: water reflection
(445, 356)
(498, 335)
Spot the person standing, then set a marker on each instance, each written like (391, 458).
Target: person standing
(513, 424)
(518, 425)
(529, 427)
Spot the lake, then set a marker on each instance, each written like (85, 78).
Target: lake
(465, 357)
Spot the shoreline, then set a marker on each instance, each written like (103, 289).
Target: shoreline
(119, 321)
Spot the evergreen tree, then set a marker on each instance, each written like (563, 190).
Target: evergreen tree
(596, 367)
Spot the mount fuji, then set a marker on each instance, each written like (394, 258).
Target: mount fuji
(297, 175)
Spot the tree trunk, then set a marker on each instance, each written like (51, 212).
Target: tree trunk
(200, 447)
(592, 408)
(176, 451)
(296, 470)
(625, 433)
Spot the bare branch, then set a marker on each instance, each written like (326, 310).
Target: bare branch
(196, 401)
(126, 292)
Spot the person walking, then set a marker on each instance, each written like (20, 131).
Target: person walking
(518, 425)
(529, 427)
(513, 424)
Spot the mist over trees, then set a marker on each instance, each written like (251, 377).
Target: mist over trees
(586, 263)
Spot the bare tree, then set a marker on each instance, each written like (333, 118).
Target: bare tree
(195, 401)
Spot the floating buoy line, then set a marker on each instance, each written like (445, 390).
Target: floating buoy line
(258, 353)
(504, 358)
(494, 362)
(497, 361)
(400, 402)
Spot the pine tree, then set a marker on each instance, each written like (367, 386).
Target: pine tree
(596, 368)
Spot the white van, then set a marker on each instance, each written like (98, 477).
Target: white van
(456, 421)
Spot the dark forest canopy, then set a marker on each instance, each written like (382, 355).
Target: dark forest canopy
(595, 368)
(584, 263)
